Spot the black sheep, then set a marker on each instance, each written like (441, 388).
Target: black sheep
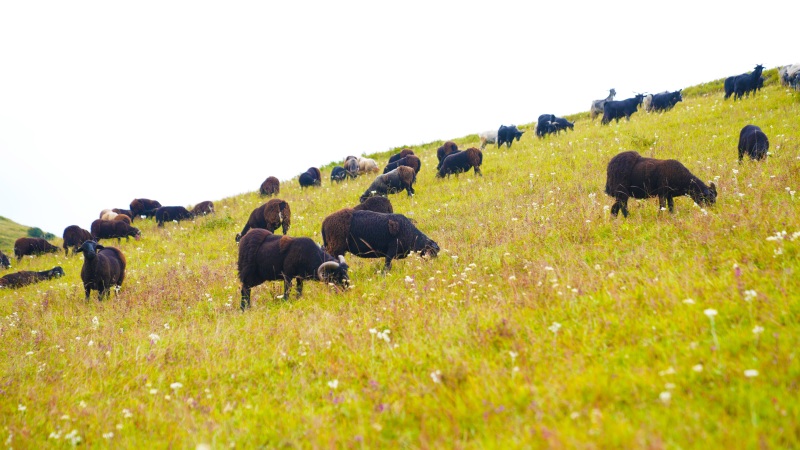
(310, 177)
(471, 158)
(103, 268)
(32, 246)
(369, 234)
(665, 101)
(74, 237)
(110, 229)
(615, 110)
(395, 181)
(144, 207)
(338, 174)
(264, 256)
(745, 84)
(375, 203)
(126, 212)
(203, 208)
(169, 213)
(271, 186)
(402, 154)
(336, 226)
(507, 134)
(447, 149)
(26, 277)
(753, 142)
(4, 262)
(269, 216)
(408, 161)
(631, 175)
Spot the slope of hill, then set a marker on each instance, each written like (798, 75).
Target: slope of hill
(10, 231)
(543, 322)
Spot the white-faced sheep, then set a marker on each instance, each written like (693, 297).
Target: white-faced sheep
(103, 269)
(264, 256)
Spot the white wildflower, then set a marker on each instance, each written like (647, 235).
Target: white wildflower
(750, 373)
(333, 384)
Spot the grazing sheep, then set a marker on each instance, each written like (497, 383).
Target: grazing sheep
(338, 174)
(615, 110)
(367, 165)
(487, 137)
(203, 208)
(269, 216)
(377, 204)
(170, 213)
(408, 161)
(447, 149)
(108, 215)
(369, 234)
(110, 229)
(271, 186)
(103, 268)
(74, 237)
(264, 256)
(4, 262)
(144, 207)
(26, 277)
(743, 85)
(598, 105)
(123, 218)
(402, 154)
(32, 246)
(471, 158)
(753, 142)
(632, 175)
(507, 134)
(395, 181)
(311, 177)
(126, 212)
(351, 166)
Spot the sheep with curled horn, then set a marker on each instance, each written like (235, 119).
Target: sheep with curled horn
(270, 216)
(264, 256)
(631, 175)
(26, 277)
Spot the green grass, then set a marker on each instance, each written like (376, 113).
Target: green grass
(10, 231)
(543, 323)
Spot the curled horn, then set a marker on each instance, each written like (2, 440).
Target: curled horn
(341, 258)
(325, 266)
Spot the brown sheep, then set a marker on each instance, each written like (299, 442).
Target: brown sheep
(338, 223)
(75, 236)
(395, 181)
(109, 229)
(271, 186)
(631, 175)
(203, 208)
(269, 216)
(444, 151)
(311, 177)
(32, 246)
(471, 158)
(144, 207)
(403, 153)
(123, 218)
(408, 161)
(103, 269)
(127, 212)
(26, 277)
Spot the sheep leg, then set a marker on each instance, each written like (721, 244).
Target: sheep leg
(662, 202)
(299, 287)
(88, 291)
(245, 298)
(477, 171)
(671, 204)
(287, 286)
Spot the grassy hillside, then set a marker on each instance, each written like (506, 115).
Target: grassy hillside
(10, 231)
(543, 323)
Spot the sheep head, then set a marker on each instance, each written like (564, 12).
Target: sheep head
(334, 272)
(90, 249)
(704, 196)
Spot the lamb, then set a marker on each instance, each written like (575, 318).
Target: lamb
(107, 214)
(103, 268)
(395, 181)
(32, 246)
(446, 150)
(631, 175)
(26, 277)
(144, 207)
(109, 229)
(471, 158)
(311, 177)
(408, 161)
(74, 237)
(367, 165)
(170, 213)
(753, 142)
(264, 256)
(269, 216)
(271, 186)
(203, 208)
(369, 234)
(4, 262)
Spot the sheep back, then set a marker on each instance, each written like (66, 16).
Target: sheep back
(109, 229)
(32, 246)
(270, 186)
(753, 142)
(74, 236)
(444, 151)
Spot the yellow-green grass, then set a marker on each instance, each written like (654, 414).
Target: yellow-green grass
(10, 231)
(543, 323)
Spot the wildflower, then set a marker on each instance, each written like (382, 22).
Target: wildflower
(21, 407)
(749, 295)
(153, 391)
(95, 322)
(513, 355)
(333, 384)
(750, 373)
(82, 404)
(512, 278)
(554, 327)
(166, 326)
(710, 312)
(384, 335)
(688, 301)
(126, 413)
(697, 367)
(665, 396)
(154, 337)
(758, 330)
(108, 435)
(436, 376)
(372, 331)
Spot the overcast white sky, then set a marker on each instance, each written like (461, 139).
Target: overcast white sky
(102, 102)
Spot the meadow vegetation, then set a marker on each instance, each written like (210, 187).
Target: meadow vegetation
(543, 323)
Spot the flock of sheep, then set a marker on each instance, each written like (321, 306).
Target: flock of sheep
(371, 229)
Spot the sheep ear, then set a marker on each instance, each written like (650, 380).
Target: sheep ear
(283, 244)
(394, 227)
(713, 189)
(99, 247)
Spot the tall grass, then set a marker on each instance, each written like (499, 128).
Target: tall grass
(543, 322)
